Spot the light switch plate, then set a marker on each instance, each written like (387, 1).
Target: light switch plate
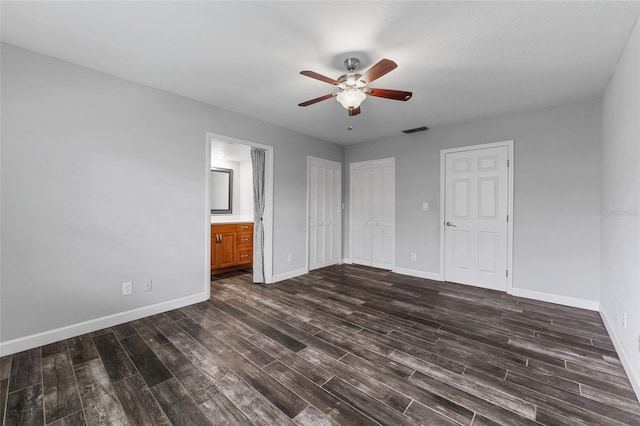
(425, 207)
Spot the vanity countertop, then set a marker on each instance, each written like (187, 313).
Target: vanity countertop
(230, 219)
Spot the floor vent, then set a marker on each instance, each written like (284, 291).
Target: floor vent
(417, 129)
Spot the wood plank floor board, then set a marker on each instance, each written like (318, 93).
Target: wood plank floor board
(24, 406)
(5, 367)
(260, 326)
(626, 403)
(26, 370)
(60, 389)
(113, 356)
(75, 419)
(165, 324)
(216, 407)
(302, 336)
(346, 344)
(475, 403)
(197, 384)
(609, 412)
(99, 400)
(480, 420)
(177, 404)
(606, 382)
(254, 405)
(151, 369)
(425, 352)
(138, 402)
(149, 333)
(311, 416)
(54, 348)
(82, 349)
(237, 335)
(424, 415)
(386, 363)
(279, 395)
(4, 391)
(435, 402)
(365, 403)
(124, 330)
(340, 411)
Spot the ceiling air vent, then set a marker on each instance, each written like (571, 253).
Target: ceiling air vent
(417, 129)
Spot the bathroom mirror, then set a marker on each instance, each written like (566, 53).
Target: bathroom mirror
(221, 189)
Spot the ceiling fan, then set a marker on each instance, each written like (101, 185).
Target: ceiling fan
(353, 87)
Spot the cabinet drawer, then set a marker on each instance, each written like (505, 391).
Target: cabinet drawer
(244, 227)
(222, 229)
(245, 255)
(245, 239)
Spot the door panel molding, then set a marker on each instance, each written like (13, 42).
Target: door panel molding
(487, 163)
(324, 213)
(372, 213)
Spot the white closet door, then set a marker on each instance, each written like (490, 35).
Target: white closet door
(373, 213)
(325, 212)
(383, 214)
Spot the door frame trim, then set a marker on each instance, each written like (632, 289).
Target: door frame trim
(510, 145)
(268, 208)
(330, 162)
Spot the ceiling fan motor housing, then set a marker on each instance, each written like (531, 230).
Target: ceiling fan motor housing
(351, 64)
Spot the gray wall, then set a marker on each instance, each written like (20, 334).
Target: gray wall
(556, 202)
(103, 181)
(620, 247)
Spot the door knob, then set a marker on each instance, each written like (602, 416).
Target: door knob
(450, 224)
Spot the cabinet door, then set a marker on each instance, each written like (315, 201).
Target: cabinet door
(227, 249)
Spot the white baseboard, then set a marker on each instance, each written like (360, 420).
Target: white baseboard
(347, 261)
(46, 337)
(290, 274)
(635, 381)
(416, 273)
(592, 305)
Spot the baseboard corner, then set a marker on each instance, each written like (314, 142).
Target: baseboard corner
(617, 344)
(574, 302)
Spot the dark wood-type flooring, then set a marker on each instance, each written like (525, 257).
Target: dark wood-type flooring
(342, 345)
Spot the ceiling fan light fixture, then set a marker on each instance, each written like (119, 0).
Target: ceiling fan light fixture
(351, 98)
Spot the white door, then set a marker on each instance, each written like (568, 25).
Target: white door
(476, 206)
(373, 213)
(325, 212)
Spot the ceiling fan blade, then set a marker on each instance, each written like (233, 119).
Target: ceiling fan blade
(378, 70)
(316, 100)
(320, 77)
(353, 112)
(397, 95)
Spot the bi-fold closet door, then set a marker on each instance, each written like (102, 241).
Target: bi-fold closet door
(325, 212)
(373, 213)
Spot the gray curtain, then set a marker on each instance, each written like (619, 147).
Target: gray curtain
(257, 160)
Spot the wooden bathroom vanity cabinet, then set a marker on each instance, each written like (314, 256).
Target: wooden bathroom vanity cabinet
(231, 246)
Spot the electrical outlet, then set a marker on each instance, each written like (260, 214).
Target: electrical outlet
(127, 288)
(624, 320)
(289, 257)
(148, 285)
(413, 256)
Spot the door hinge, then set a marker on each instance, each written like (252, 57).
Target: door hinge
(507, 273)
(507, 163)
(507, 218)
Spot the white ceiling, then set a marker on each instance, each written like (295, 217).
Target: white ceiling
(461, 60)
